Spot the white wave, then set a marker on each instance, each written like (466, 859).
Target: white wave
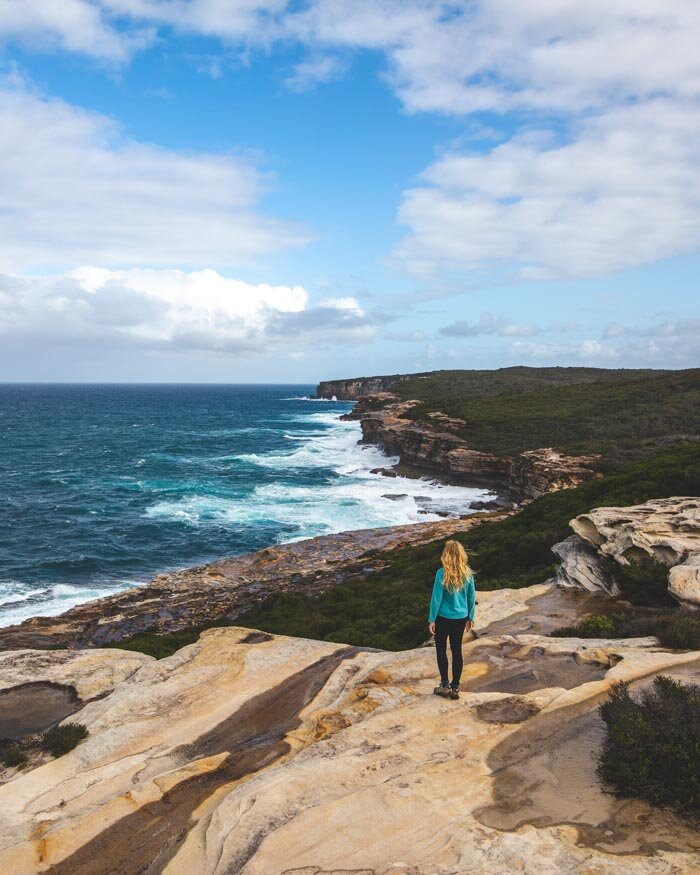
(20, 601)
(332, 400)
(355, 499)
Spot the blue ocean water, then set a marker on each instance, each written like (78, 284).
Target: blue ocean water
(102, 486)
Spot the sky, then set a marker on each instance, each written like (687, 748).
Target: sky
(273, 191)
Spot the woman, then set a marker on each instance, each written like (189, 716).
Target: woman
(451, 612)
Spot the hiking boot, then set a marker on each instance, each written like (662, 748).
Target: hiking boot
(454, 693)
(442, 690)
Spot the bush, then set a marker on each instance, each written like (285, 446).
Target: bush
(644, 582)
(652, 748)
(62, 739)
(14, 757)
(158, 646)
(675, 628)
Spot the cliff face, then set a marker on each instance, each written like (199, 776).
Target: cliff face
(360, 387)
(265, 755)
(433, 446)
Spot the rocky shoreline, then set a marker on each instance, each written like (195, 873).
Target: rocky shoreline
(221, 591)
(434, 447)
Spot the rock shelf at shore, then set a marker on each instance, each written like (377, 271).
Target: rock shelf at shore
(265, 755)
(220, 591)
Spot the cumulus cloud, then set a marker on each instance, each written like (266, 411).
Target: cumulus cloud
(72, 25)
(74, 189)
(624, 191)
(172, 309)
(600, 174)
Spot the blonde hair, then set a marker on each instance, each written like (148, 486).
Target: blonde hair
(455, 566)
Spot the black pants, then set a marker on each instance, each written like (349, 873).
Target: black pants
(454, 630)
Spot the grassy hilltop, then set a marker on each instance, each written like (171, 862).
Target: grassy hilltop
(621, 414)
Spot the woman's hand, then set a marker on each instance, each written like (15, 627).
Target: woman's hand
(431, 628)
(468, 627)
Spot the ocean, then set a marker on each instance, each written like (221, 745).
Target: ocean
(103, 486)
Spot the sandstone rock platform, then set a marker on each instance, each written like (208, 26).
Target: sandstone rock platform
(260, 755)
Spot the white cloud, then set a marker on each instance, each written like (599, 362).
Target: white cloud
(490, 324)
(601, 174)
(75, 189)
(669, 328)
(624, 191)
(171, 310)
(314, 71)
(71, 25)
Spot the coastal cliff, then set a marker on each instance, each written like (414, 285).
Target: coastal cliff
(360, 387)
(433, 446)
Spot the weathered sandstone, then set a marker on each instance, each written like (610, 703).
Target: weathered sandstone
(221, 591)
(249, 754)
(664, 529)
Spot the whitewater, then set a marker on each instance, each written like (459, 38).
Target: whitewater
(105, 486)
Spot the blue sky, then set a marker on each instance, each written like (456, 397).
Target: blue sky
(255, 190)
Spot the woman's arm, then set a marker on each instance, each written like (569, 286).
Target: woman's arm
(436, 599)
(471, 599)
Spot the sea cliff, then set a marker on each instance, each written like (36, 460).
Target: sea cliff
(434, 446)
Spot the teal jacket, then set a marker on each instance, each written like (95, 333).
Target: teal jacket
(452, 605)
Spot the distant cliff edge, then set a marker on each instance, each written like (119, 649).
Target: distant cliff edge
(360, 387)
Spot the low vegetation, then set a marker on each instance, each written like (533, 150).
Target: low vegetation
(644, 582)
(675, 628)
(652, 747)
(159, 646)
(623, 414)
(61, 739)
(14, 757)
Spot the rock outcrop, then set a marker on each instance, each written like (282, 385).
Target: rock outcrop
(664, 529)
(221, 591)
(258, 755)
(433, 446)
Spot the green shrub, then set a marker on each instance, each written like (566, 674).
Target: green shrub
(14, 757)
(595, 626)
(642, 582)
(62, 739)
(675, 628)
(156, 645)
(652, 747)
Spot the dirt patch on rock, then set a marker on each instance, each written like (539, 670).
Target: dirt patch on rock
(34, 707)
